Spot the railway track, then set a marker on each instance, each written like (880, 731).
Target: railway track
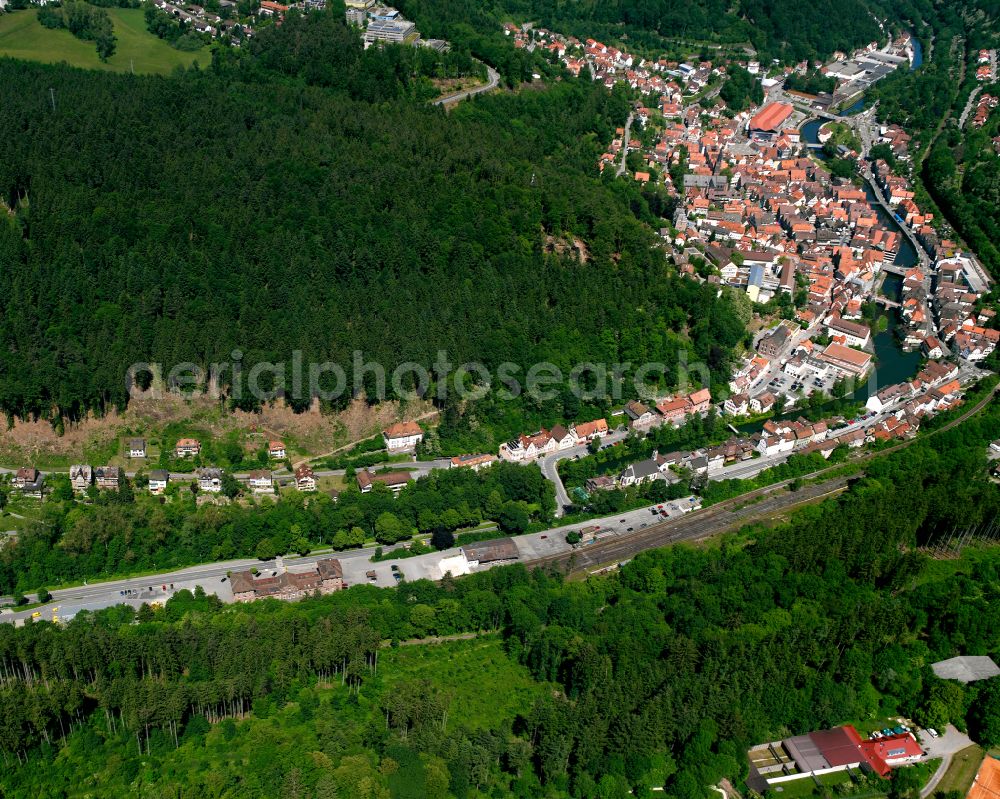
(717, 519)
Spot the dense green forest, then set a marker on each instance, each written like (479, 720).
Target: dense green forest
(782, 29)
(271, 204)
(661, 675)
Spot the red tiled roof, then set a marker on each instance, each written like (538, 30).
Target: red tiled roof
(771, 117)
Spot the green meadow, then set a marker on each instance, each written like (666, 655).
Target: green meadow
(22, 36)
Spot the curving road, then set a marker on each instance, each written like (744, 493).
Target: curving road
(492, 82)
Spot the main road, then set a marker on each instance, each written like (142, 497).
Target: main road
(493, 80)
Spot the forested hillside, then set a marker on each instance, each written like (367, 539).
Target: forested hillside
(178, 219)
(660, 676)
(782, 29)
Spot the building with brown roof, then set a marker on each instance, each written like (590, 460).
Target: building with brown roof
(325, 578)
(305, 479)
(850, 363)
(474, 462)
(495, 551)
(395, 481)
(588, 430)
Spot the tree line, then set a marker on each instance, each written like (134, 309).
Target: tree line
(84, 21)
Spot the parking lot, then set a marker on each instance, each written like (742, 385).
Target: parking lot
(806, 383)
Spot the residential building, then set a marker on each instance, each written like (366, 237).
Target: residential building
(640, 417)
(81, 477)
(701, 400)
(136, 447)
(261, 481)
(107, 477)
(395, 481)
(402, 436)
(158, 479)
(737, 405)
(325, 578)
(276, 450)
(474, 462)
(528, 448)
(599, 483)
(673, 410)
(854, 335)
(562, 437)
(775, 343)
(210, 480)
(589, 430)
(305, 479)
(24, 476)
(270, 9)
(639, 473)
(187, 448)
(29, 482)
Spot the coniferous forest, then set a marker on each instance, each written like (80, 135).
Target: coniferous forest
(300, 197)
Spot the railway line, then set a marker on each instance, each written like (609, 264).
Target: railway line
(720, 518)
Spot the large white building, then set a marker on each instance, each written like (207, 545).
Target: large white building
(402, 436)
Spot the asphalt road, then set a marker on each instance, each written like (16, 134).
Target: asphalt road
(492, 82)
(550, 463)
(628, 128)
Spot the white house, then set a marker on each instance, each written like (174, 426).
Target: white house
(305, 480)
(639, 473)
(187, 448)
(158, 479)
(261, 482)
(737, 405)
(854, 335)
(137, 448)
(210, 481)
(276, 450)
(402, 436)
(562, 437)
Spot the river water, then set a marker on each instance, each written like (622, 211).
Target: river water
(892, 364)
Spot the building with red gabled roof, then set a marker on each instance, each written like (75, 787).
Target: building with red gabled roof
(402, 436)
(767, 122)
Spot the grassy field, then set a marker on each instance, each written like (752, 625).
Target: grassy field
(22, 36)
(962, 771)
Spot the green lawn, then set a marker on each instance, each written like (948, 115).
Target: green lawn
(962, 771)
(22, 36)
